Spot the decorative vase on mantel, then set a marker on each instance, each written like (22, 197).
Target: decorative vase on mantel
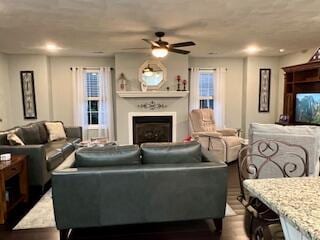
(144, 87)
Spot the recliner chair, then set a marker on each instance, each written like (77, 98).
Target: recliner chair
(222, 144)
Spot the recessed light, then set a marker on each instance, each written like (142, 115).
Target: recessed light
(281, 50)
(51, 47)
(252, 49)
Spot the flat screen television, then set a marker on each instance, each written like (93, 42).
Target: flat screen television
(308, 108)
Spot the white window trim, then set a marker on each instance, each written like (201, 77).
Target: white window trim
(211, 71)
(92, 126)
(206, 97)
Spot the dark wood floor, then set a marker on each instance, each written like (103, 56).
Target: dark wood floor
(191, 230)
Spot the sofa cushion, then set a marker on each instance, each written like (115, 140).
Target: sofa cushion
(14, 139)
(62, 145)
(54, 158)
(107, 156)
(74, 140)
(189, 152)
(31, 134)
(56, 130)
(19, 133)
(3, 138)
(44, 136)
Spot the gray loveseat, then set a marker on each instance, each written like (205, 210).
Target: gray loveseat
(158, 182)
(43, 156)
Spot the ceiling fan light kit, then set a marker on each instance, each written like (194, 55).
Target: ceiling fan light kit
(159, 52)
(161, 48)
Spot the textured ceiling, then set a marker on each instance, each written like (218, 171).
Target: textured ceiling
(224, 27)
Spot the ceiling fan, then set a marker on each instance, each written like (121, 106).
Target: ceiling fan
(161, 48)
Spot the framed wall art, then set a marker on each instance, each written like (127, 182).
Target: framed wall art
(28, 95)
(264, 89)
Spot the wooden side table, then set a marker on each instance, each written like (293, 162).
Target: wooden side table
(15, 169)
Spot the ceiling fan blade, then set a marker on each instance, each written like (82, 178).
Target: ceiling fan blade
(152, 43)
(182, 44)
(178, 51)
(124, 49)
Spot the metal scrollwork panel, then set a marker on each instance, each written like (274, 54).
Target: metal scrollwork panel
(152, 105)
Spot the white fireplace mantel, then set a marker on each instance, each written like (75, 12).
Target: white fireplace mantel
(152, 94)
(141, 114)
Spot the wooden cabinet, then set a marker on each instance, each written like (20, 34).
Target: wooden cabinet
(303, 78)
(13, 184)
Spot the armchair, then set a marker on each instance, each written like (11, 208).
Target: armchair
(222, 144)
(303, 135)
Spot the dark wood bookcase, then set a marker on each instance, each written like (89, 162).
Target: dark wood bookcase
(303, 78)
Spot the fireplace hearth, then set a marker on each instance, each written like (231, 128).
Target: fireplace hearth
(152, 129)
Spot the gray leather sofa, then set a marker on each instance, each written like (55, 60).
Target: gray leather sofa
(158, 182)
(43, 156)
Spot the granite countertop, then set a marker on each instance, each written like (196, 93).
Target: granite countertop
(296, 199)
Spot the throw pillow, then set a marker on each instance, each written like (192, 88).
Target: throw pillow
(14, 139)
(30, 134)
(55, 130)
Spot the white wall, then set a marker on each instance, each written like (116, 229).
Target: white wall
(129, 63)
(5, 102)
(243, 97)
(252, 90)
(289, 60)
(61, 82)
(54, 89)
(38, 64)
(233, 85)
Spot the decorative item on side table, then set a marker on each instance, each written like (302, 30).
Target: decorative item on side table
(28, 95)
(178, 79)
(264, 89)
(184, 82)
(122, 82)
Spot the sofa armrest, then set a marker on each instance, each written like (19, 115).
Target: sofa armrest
(228, 131)
(74, 132)
(138, 194)
(37, 166)
(207, 134)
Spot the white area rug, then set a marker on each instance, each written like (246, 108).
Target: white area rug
(42, 216)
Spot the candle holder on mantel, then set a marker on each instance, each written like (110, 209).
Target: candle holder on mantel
(122, 82)
(184, 82)
(178, 79)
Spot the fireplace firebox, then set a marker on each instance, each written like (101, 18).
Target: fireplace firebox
(152, 129)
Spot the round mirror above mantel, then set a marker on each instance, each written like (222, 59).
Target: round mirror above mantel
(152, 74)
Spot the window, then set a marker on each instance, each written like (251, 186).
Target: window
(92, 78)
(206, 79)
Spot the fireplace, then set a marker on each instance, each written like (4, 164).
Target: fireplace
(152, 127)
